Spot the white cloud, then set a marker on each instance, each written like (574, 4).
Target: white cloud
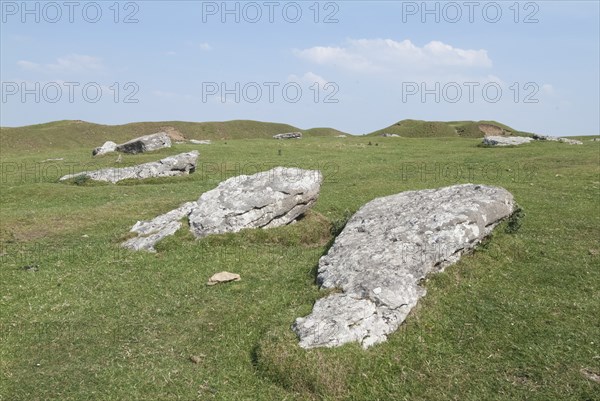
(170, 53)
(309, 78)
(548, 89)
(205, 46)
(336, 56)
(70, 63)
(378, 55)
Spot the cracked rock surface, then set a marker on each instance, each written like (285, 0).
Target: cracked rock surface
(268, 199)
(289, 135)
(108, 147)
(181, 164)
(556, 139)
(518, 140)
(506, 140)
(386, 249)
(146, 143)
(151, 232)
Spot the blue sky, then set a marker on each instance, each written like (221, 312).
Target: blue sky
(353, 65)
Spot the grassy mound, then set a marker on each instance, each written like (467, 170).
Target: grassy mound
(464, 129)
(68, 134)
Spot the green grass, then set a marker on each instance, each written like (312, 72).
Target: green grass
(517, 320)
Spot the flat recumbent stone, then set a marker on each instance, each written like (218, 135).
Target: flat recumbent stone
(386, 249)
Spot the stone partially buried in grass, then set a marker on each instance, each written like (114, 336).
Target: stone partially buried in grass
(146, 143)
(108, 147)
(268, 199)
(153, 231)
(386, 249)
(172, 166)
(506, 140)
(492, 140)
(289, 135)
(556, 139)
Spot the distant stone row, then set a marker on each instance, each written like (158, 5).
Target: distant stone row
(181, 164)
(160, 140)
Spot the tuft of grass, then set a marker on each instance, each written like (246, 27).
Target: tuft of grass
(338, 225)
(81, 180)
(311, 374)
(515, 220)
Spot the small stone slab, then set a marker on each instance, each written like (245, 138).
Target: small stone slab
(223, 277)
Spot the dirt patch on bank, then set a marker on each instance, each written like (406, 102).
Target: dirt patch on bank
(493, 130)
(173, 133)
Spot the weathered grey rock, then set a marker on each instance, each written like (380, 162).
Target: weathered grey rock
(538, 137)
(268, 199)
(518, 140)
(146, 143)
(570, 141)
(154, 225)
(184, 163)
(153, 231)
(595, 140)
(146, 243)
(386, 135)
(108, 147)
(506, 140)
(289, 135)
(197, 142)
(383, 253)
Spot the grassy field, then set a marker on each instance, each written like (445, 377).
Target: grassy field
(82, 319)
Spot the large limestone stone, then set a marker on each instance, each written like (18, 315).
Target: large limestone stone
(146, 143)
(182, 164)
(108, 147)
(153, 231)
(289, 135)
(557, 139)
(268, 199)
(383, 253)
(506, 140)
